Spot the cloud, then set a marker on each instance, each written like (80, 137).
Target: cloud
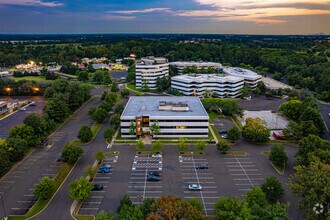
(117, 17)
(147, 10)
(261, 12)
(31, 3)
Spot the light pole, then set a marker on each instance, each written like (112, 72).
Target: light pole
(3, 205)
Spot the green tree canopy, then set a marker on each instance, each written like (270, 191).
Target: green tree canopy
(272, 189)
(71, 153)
(255, 130)
(45, 188)
(234, 134)
(57, 108)
(278, 155)
(85, 134)
(80, 189)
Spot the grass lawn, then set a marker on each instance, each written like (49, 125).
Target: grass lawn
(279, 169)
(132, 86)
(237, 122)
(31, 78)
(41, 204)
(95, 128)
(267, 153)
(236, 153)
(213, 115)
(216, 132)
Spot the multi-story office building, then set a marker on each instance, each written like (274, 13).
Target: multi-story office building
(250, 77)
(180, 116)
(149, 69)
(181, 65)
(197, 84)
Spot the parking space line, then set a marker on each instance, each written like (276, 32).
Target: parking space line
(199, 184)
(90, 208)
(95, 197)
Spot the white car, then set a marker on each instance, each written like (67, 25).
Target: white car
(194, 187)
(156, 155)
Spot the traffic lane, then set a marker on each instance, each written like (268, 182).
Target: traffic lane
(18, 117)
(261, 103)
(325, 110)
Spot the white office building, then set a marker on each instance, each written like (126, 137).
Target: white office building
(149, 69)
(180, 116)
(250, 77)
(197, 84)
(181, 65)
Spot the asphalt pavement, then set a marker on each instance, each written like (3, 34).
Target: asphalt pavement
(325, 110)
(19, 183)
(18, 117)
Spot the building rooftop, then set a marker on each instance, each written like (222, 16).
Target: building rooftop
(240, 72)
(193, 63)
(207, 77)
(154, 107)
(151, 60)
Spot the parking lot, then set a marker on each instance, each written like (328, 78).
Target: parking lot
(139, 187)
(223, 123)
(27, 198)
(91, 205)
(244, 173)
(203, 177)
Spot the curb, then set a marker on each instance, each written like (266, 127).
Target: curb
(15, 111)
(55, 192)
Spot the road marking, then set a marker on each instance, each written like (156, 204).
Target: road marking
(244, 189)
(20, 208)
(89, 208)
(29, 195)
(7, 181)
(135, 191)
(192, 157)
(143, 186)
(92, 202)
(95, 197)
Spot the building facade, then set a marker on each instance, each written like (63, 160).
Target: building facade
(175, 117)
(250, 77)
(149, 69)
(181, 65)
(199, 84)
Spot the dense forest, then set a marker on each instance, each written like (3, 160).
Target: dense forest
(301, 61)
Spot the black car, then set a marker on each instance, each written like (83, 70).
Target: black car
(201, 166)
(223, 131)
(153, 173)
(152, 178)
(97, 187)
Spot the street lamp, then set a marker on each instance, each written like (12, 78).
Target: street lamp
(3, 205)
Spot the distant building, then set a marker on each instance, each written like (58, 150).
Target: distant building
(149, 69)
(181, 65)
(179, 116)
(250, 77)
(197, 84)
(3, 107)
(101, 66)
(94, 60)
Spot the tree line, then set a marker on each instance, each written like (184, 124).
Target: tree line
(63, 98)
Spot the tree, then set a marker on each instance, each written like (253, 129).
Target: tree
(292, 109)
(132, 129)
(92, 110)
(16, 148)
(99, 156)
(223, 146)
(38, 125)
(119, 109)
(146, 205)
(98, 77)
(57, 108)
(102, 215)
(171, 207)
(157, 146)
(125, 93)
(182, 146)
(312, 184)
(232, 208)
(140, 145)
(23, 132)
(85, 134)
(114, 87)
(80, 189)
(104, 94)
(108, 133)
(45, 188)
(197, 204)
(99, 115)
(115, 120)
(313, 114)
(272, 189)
(71, 153)
(256, 197)
(255, 130)
(124, 201)
(90, 171)
(234, 134)
(130, 212)
(201, 146)
(278, 155)
(293, 131)
(83, 76)
(246, 90)
(312, 149)
(155, 129)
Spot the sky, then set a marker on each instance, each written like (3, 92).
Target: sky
(165, 16)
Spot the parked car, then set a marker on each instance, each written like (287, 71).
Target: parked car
(156, 155)
(153, 173)
(103, 170)
(152, 178)
(224, 136)
(108, 165)
(33, 103)
(223, 131)
(194, 187)
(200, 166)
(23, 109)
(97, 187)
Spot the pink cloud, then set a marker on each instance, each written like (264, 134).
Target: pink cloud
(31, 3)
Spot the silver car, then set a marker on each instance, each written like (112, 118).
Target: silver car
(196, 187)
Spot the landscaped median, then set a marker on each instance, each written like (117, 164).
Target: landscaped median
(41, 204)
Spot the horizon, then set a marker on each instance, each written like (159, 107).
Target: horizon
(256, 17)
